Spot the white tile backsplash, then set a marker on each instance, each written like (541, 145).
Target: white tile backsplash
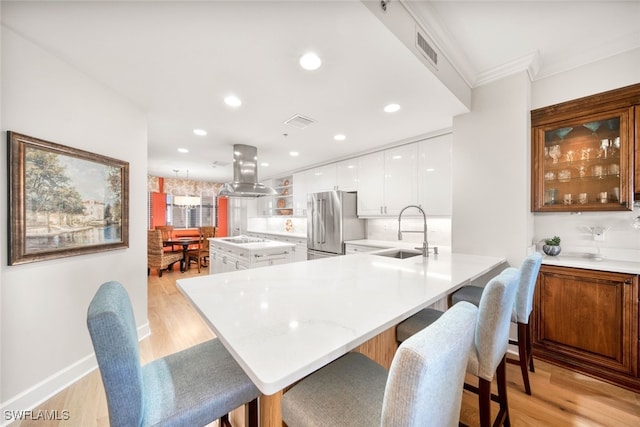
(438, 230)
(621, 240)
(277, 224)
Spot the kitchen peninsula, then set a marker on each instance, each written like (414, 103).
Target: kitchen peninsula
(284, 322)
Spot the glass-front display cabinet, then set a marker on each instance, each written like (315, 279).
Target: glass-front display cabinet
(584, 164)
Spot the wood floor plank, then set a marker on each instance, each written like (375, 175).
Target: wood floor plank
(561, 398)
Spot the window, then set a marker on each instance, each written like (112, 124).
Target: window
(190, 212)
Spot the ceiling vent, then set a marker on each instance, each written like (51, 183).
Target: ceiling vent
(424, 46)
(299, 121)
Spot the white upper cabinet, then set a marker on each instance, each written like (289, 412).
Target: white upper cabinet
(265, 204)
(371, 184)
(301, 187)
(434, 175)
(322, 178)
(388, 181)
(400, 178)
(347, 175)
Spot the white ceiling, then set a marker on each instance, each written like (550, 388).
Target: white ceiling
(177, 61)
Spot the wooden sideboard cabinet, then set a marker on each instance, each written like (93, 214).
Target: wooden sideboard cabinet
(585, 153)
(587, 321)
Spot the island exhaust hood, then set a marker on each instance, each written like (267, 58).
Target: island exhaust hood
(245, 175)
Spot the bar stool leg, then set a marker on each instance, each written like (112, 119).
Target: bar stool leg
(523, 355)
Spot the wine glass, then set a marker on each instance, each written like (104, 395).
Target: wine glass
(555, 153)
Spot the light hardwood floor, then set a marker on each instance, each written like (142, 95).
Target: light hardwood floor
(560, 397)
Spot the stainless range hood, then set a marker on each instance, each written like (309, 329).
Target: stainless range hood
(245, 175)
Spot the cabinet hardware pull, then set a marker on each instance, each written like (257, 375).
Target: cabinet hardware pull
(261, 255)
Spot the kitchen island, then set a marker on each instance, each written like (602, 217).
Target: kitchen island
(283, 322)
(244, 252)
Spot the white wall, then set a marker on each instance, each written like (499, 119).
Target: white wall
(621, 240)
(491, 172)
(2, 249)
(45, 343)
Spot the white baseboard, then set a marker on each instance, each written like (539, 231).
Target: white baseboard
(31, 398)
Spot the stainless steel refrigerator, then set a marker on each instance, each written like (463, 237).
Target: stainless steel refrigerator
(331, 220)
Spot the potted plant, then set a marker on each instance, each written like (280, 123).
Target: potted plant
(552, 246)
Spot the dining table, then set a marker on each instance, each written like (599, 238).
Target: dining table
(283, 322)
(185, 242)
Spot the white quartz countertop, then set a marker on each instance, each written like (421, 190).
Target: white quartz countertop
(283, 322)
(590, 262)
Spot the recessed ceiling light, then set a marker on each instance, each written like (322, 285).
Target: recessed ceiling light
(391, 108)
(294, 153)
(310, 61)
(339, 137)
(200, 132)
(264, 164)
(233, 101)
(182, 150)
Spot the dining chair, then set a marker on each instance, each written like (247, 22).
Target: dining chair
(156, 255)
(422, 388)
(200, 254)
(192, 387)
(521, 312)
(167, 234)
(488, 357)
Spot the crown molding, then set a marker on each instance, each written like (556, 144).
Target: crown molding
(529, 63)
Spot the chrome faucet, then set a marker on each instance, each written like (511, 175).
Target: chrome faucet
(425, 244)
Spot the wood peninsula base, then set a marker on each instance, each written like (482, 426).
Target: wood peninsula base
(380, 348)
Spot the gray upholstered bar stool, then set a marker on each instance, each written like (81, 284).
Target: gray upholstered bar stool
(521, 312)
(488, 357)
(193, 387)
(422, 388)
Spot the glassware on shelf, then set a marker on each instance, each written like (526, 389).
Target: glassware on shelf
(583, 198)
(582, 171)
(564, 175)
(570, 156)
(598, 171)
(562, 132)
(550, 176)
(603, 197)
(585, 154)
(604, 148)
(593, 126)
(550, 196)
(555, 153)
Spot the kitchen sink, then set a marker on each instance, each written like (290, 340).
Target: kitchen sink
(398, 253)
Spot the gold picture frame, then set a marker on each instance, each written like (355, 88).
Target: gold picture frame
(64, 201)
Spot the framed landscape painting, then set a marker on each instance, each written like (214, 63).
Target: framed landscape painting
(64, 201)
